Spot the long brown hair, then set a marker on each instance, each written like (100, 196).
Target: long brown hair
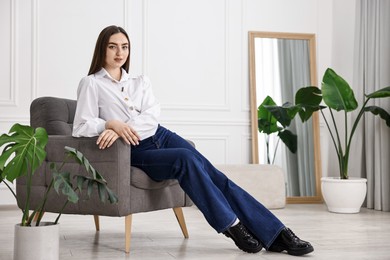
(99, 54)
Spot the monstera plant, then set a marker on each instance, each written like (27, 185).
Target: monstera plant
(22, 155)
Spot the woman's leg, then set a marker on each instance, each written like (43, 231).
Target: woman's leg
(258, 219)
(168, 156)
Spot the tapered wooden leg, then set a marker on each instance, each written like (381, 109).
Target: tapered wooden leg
(180, 218)
(97, 223)
(128, 220)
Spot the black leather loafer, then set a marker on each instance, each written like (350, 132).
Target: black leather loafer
(288, 241)
(243, 239)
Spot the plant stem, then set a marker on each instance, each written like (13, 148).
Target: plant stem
(27, 205)
(267, 148)
(276, 148)
(59, 215)
(355, 124)
(340, 150)
(331, 134)
(41, 208)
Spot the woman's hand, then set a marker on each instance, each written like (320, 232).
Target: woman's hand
(125, 131)
(106, 138)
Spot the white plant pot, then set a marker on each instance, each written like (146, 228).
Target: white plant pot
(40, 242)
(344, 196)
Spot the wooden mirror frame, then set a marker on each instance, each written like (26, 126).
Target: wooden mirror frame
(313, 80)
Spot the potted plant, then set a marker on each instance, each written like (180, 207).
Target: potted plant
(22, 155)
(276, 123)
(339, 96)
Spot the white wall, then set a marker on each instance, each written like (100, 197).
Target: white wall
(195, 52)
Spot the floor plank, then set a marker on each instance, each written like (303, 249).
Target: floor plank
(157, 235)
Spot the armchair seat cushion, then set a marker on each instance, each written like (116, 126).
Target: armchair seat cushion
(142, 181)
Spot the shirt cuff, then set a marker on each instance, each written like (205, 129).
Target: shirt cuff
(101, 127)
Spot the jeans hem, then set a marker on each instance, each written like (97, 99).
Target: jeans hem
(228, 226)
(274, 237)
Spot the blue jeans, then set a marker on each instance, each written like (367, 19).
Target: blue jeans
(168, 156)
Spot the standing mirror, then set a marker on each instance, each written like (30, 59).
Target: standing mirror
(280, 64)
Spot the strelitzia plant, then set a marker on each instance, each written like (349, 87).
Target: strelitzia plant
(23, 154)
(276, 122)
(338, 96)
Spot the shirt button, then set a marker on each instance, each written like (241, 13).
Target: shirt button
(113, 81)
(126, 98)
(131, 108)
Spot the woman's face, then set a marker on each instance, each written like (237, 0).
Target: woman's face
(117, 51)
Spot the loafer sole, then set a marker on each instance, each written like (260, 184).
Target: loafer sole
(245, 249)
(294, 252)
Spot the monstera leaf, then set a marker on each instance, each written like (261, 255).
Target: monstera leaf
(24, 151)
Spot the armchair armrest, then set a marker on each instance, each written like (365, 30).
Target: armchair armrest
(112, 163)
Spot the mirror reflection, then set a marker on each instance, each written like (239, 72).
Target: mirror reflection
(280, 64)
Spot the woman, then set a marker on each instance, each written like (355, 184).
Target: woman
(113, 105)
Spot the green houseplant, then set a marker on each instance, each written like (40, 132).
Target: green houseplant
(338, 96)
(276, 122)
(22, 154)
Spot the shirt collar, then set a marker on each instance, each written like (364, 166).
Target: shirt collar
(104, 74)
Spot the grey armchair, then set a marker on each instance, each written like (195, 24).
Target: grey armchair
(135, 190)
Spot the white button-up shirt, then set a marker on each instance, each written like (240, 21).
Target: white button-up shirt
(101, 98)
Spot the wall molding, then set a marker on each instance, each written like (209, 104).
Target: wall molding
(13, 87)
(125, 14)
(198, 107)
(212, 137)
(34, 49)
(194, 122)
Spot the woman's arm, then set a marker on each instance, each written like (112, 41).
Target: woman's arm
(86, 121)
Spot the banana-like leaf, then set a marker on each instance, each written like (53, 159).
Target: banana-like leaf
(283, 114)
(308, 99)
(384, 92)
(27, 146)
(267, 123)
(267, 127)
(336, 92)
(62, 179)
(289, 139)
(379, 111)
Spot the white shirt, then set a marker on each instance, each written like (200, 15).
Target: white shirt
(101, 98)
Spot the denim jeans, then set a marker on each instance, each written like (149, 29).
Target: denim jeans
(168, 156)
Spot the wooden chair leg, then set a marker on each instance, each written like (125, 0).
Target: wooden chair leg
(97, 223)
(128, 221)
(180, 218)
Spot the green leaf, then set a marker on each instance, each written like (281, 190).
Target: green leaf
(308, 99)
(267, 123)
(26, 146)
(336, 92)
(283, 114)
(379, 111)
(384, 92)
(62, 179)
(111, 196)
(289, 139)
(102, 192)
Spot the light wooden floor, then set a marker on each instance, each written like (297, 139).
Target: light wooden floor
(157, 236)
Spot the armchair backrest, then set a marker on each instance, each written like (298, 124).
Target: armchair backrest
(56, 115)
